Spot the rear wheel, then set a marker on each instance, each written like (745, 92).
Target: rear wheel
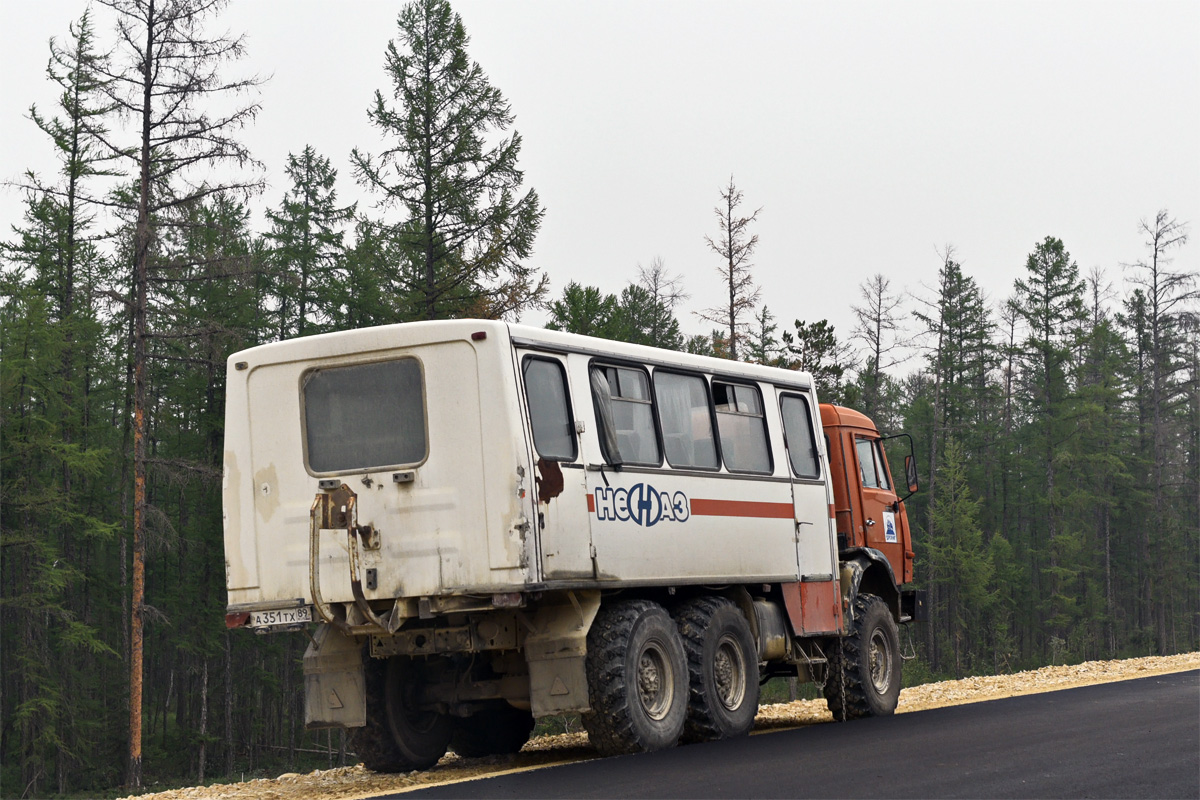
(864, 674)
(637, 679)
(495, 731)
(722, 669)
(399, 735)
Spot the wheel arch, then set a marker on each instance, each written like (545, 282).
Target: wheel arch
(865, 570)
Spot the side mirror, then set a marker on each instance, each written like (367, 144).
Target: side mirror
(910, 473)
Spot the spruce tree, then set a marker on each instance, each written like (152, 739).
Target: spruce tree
(1050, 302)
(465, 229)
(307, 257)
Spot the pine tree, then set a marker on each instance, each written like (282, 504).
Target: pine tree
(466, 229)
(56, 450)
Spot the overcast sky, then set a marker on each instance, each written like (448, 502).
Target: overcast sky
(870, 134)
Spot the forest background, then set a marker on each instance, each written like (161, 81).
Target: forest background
(1058, 428)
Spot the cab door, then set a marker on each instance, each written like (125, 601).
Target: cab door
(882, 523)
(559, 483)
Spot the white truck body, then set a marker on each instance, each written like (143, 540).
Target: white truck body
(471, 521)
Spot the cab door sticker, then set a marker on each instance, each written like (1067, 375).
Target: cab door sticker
(889, 526)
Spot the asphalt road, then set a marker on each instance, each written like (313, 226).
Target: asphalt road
(1136, 738)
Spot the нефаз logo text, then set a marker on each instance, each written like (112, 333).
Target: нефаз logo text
(641, 503)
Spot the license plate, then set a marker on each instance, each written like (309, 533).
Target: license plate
(286, 616)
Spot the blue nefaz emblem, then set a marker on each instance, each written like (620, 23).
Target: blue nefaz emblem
(641, 503)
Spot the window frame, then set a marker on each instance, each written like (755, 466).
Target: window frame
(301, 391)
(762, 416)
(879, 462)
(812, 434)
(574, 438)
(608, 363)
(712, 422)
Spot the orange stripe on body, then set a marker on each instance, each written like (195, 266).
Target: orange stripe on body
(591, 504)
(741, 508)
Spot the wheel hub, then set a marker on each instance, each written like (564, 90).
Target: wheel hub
(729, 673)
(654, 682)
(880, 662)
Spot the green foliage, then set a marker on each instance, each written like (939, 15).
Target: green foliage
(635, 316)
(814, 348)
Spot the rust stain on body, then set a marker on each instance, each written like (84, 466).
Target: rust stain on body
(549, 480)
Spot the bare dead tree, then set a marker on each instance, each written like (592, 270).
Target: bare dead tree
(164, 71)
(878, 326)
(1167, 292)
(666, 292)
(735, 245)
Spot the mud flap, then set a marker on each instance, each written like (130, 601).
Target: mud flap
(556, 650)
(334, 685)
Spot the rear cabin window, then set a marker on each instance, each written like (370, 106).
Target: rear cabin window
(632, 413)
(870, 464)
(549, 409)
(798, 428)
(365, 416)
(742, 428)
(683, 412)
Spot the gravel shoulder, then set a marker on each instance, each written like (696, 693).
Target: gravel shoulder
(351, 783)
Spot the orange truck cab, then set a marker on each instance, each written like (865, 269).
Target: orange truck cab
(872, 525)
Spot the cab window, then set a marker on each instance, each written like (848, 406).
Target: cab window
(870, 464)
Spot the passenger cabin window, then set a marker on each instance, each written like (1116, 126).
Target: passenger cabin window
(686, 420)
(798, 428)
(364, 416)
(742, 427)
(549, 409)
(870, 464)
(628, 392)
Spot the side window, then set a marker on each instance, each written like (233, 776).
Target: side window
(686, 420)
(870, 464)
(628, 391)
(549, 409)
(742, 427)
(802, 446)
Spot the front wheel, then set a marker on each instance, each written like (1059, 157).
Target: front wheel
(637, 679)
(864, 675)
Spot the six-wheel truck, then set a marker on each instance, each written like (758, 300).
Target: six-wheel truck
(490, 523)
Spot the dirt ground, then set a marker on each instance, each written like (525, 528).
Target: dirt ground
(350, 783)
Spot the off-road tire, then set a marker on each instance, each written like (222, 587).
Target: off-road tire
(495, 731)
(722, 669)
(637, 679)
(864, 665)
(397, 738)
